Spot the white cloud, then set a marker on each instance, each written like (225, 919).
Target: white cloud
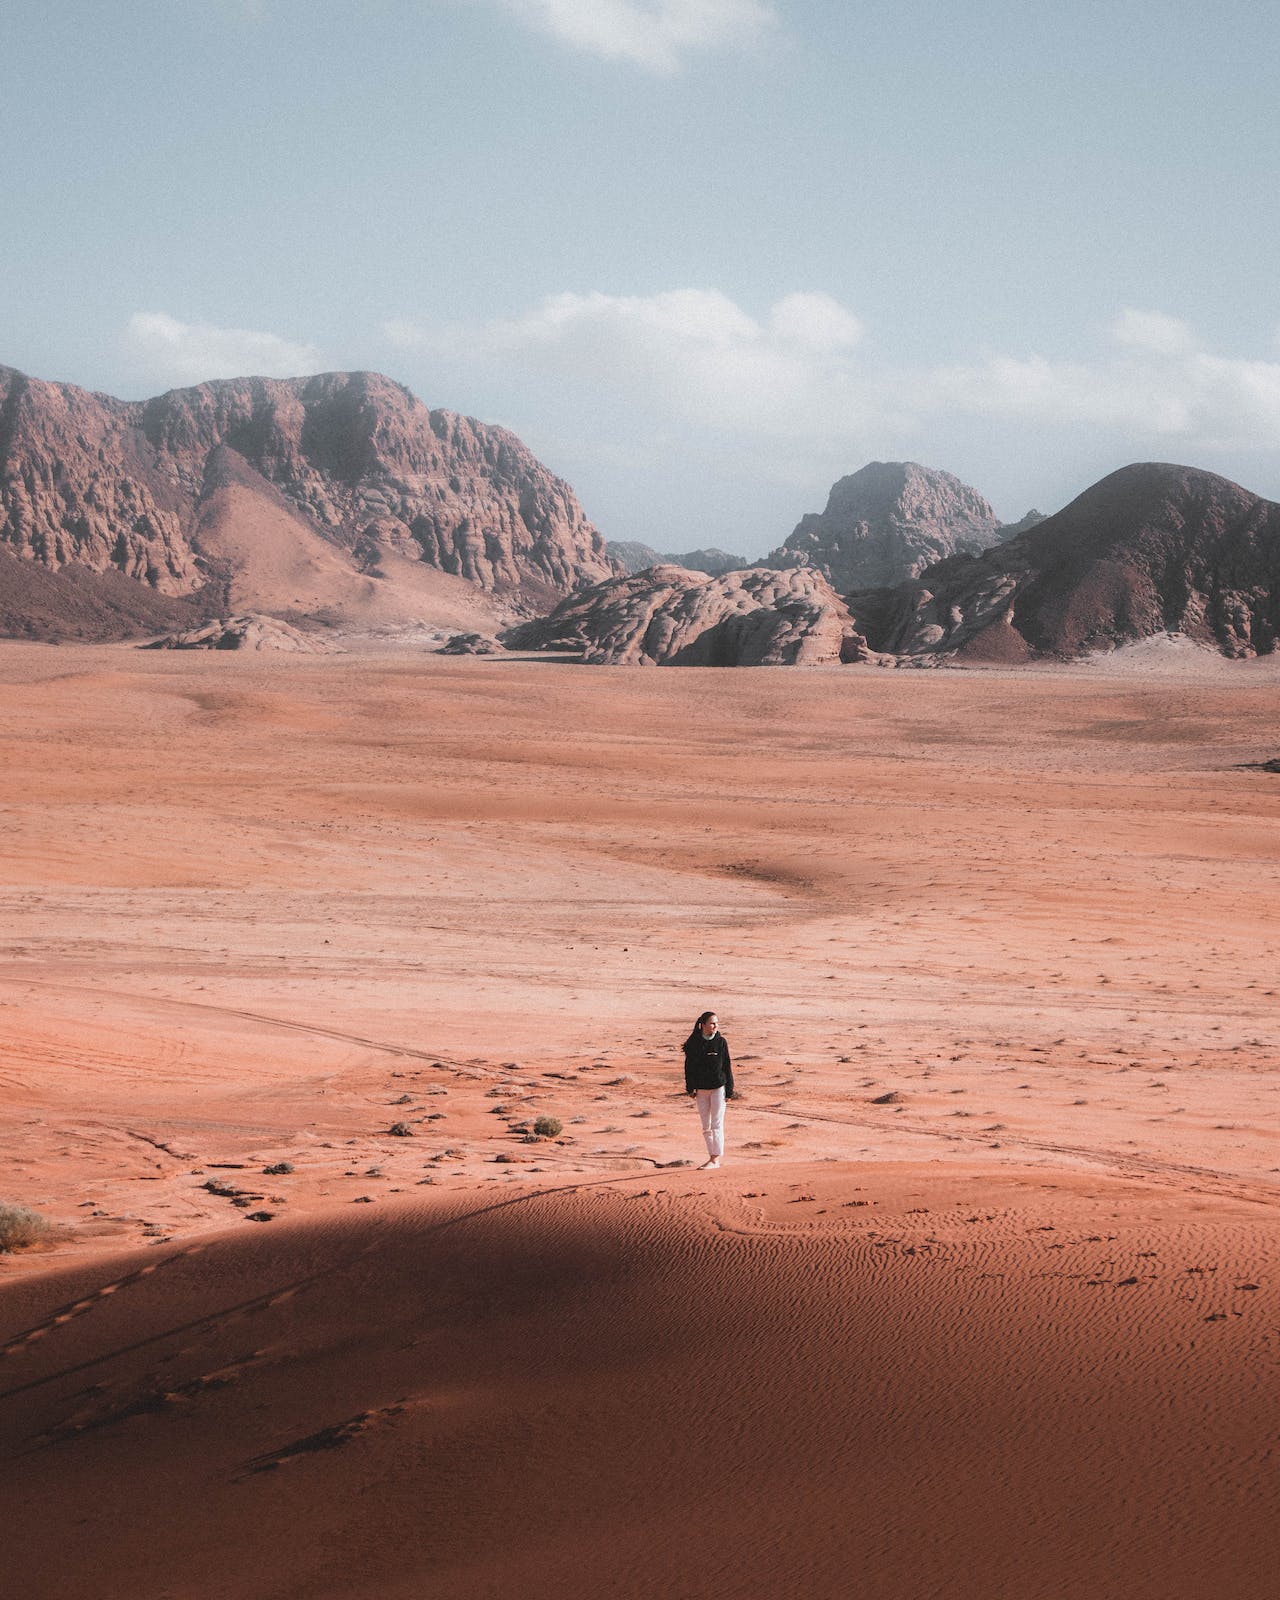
(165, 350)
(654, 34)
(689, 354)
(815, 322)
(695, 357)
(1157, 385)
(788, 394)
(1153, 331)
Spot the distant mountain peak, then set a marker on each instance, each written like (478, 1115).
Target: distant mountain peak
(633, 556)
(887, 522)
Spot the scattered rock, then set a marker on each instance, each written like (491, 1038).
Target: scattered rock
(471, 644)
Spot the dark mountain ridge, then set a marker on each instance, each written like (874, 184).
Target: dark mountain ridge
(1151, 548)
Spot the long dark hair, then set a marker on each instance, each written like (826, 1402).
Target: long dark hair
(697, 1030)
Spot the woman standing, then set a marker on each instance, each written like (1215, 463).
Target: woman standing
(708, 1076)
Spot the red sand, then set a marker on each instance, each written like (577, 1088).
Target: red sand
(1012, 1335)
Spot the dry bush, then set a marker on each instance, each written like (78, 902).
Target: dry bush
(20, 1226)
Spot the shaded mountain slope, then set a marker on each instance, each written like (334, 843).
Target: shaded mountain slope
(1151, 548)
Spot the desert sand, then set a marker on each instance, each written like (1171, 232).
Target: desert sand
(984, 1303)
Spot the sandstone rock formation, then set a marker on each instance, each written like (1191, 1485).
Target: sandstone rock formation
(337, 483)
(1152, 548)
(247, 633)
(886, 523)
(632, 556)
(669, 616)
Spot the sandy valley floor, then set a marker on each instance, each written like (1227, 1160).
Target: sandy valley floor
(1012, 1332)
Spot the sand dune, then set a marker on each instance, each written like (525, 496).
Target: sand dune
(638, 1388)
(277, 563)
(984, 1303)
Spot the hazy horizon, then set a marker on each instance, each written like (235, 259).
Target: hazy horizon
(703, 256)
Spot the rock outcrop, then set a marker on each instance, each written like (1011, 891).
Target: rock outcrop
(350, 462)
(669, 616)
(470, 644)
(1150, 549)
(886, 523)
(632, 556)
(247, 633)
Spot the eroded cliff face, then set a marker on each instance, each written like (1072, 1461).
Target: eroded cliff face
(107, 483)
(1152, 548)
(886, 523)
(79, 482)
(669, 616)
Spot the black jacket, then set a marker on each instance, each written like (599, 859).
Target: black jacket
(706, 1063)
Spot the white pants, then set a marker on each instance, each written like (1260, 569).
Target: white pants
(711, 1113)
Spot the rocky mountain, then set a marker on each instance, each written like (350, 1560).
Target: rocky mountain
(1152, 548)
(633, 556)
(339, 496)
(886, 522)
(670, 616)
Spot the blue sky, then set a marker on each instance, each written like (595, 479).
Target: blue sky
(705, 256)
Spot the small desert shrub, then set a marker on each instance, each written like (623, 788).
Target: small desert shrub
(402, 1130)
(277, 1168)
(547, 1127)
(20, 1226)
